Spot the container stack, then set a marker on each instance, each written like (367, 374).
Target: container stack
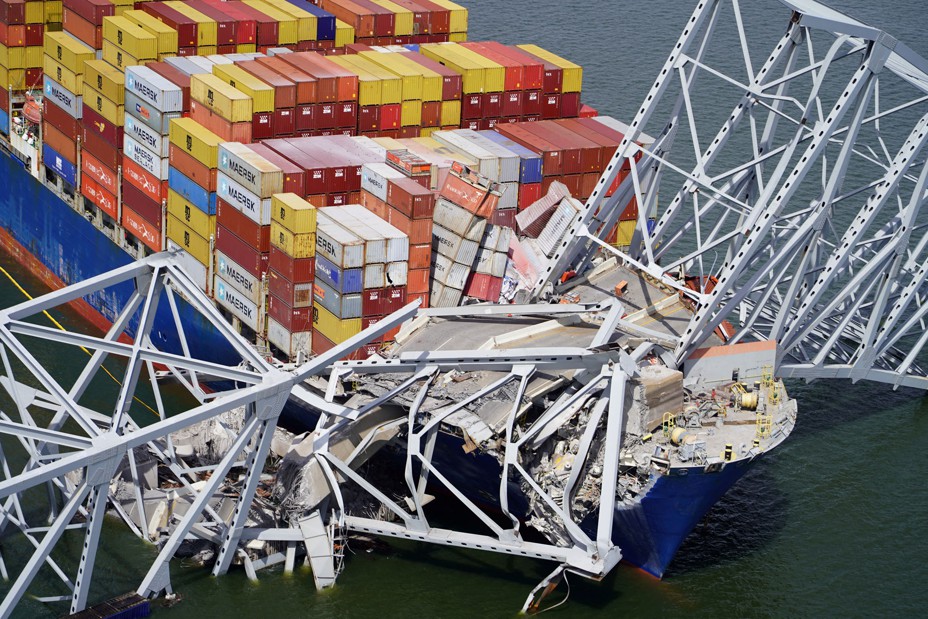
(191, 220)
(103, 120)
(530, 174)
(222, 108)
(336, 100)
(561, 84)
(465, 203)
(83, 19)
(291, 275)
(22, 29)
(280, 121)
(452, 86)
(64, 61)
(521, 98)
(486, 280)
(380, 96)
(482, 82)
(386, 22)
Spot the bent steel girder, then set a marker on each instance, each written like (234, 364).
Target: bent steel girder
(800, 217)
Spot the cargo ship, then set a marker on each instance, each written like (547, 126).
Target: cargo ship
(316, 166)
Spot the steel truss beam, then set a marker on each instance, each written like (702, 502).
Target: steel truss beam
(806, 207)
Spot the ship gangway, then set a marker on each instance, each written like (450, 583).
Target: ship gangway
(795, 218)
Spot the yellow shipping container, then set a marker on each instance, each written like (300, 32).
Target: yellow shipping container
(246, 48)
(62, 75)
(403, 20)
(624, 233)
(296, 245)
(202, 224)
(369, 85)
(126, 34)
(118, 57)
(183, 235)
(332, 327)
(262, 94)
(14, 78)
(196, 139)
(428, 131)
(34, 55)
(287, 26)
(396, 64)
(494, 74)
(207, 50)
(35, 13)
(450, 113)
(344, 34)
(53, 12)
(293, 213)
(106, 79)
(225, 100)
(391, 84)
(411, 113)
(12, 57)
(458, 15)
(67, 50)
(307, 23)
(206, 26)
(573, 73)
(472, 73)
(457, 37)
(166, 36)
(103, 105)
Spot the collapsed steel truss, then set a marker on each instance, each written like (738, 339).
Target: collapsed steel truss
(801, 217)
(74, 455)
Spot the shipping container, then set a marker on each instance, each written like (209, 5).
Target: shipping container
(194, 244)
(237, 303)
(242, 226)
(187, 165)
(239, 278)
(245, 255)
(155, 89)
(341, 305)
(296, 270)
(165, 35)
(201, 143)
(201, 197)
(143, 157)
(223, 99)
(142, 229)
(256, 208)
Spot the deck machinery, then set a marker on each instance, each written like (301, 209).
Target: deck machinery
(789, 242)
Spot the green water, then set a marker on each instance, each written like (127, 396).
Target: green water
(833, 523)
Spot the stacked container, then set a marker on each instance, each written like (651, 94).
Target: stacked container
(222, 108)
(380, 97)
(64, 62)
(561, 84)
(291, 274)
(521, 98)
(336, 107)
(83, 19)
(22, 26)
(482, 81)
(103, 118)
(452, 86)
(191, 220)
(530, 174)
(486, 280)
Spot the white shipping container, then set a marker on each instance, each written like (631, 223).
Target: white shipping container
(340, 246)
(237, 303)
(370, 144)
(191, 266)
(144, 157)
(237, 277)
(496, 238)
(491, 262)
(449, 244)
(342, 305)
(374, 276)
(487, 162)
(205, 64)
(396, 273)
(160, 92)
(564, 215)
(63, 98)
(375, 245)
(250, 170)
(145, 135)
(292, 344)
(255, 208)
(220, 59)
(509, 162)
(459, 220)
(448, 272)
(397, 240)
(444, 296)
(160, 122)
(508, 196)
(374, 177)
(183, 63)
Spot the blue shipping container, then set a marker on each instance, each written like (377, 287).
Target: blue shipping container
(4, 122)
(530, 161)
(345, 281)
(325, 21)
(58, 164)
(198, 196)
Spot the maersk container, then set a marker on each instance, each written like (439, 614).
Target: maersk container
(57, 163)
(160, 122)
(397, 241)
(344, 281)
(144, 157)
(396, 273)
(451, 245)
(157, 91)
(564, 215)
(449, 272)
(509, 162)
(340, 246)
(374, 276)
(459, 220)
(497, 238)
(62, 97)
(342, 306)
(444, 296)
(237, 303)
(375, 177)
(147, 136)
(375, 244)
(250, 169)
(239, 278)
(198, 196)
(491, 262)
(257, 209)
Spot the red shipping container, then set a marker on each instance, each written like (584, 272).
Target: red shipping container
(532, 69)
(305, 83)
(409, 132)
(144, 206)
(374, 204)
(141, 229)
(316, 174)
(431, 113)
(529, 193)
(423, 297)
(514, 70)
(326, 83)
(504, 217)
(321, 345)
(325, 116)
(143, 180)
(246, 28)
(229, 131)
(417, 281)
(34, 34)
(186, 27)
(550, 106)
(294, 295)
(330, 158)
(99, 196)
(420, 256)
(419, 231)
(570, 104)
(104, 176)
(336, 199)
(531, 103)
(92, 10)
(294, 181)
(361, 17)
(394, 299)
(390, 116)
(12, 35)
(346, 114)
(410, 198)
(440, 17)
(587, 111)
(243, 226)
(512, 104)
(262, 125)
(284, 122)
(553, 75)
(346, 82)
(484, 287)
(296, 270)
(293, 319)
(368, 118)
(472, 106)
(105, 152)
(13, 11)
(56, 117)
(96, 124)
(226, 25)
(372, 302)
(305, 117)
(190, 167)
(421, 17)
(471, 198)
(244, 254)
(492, 104)
(551, 154)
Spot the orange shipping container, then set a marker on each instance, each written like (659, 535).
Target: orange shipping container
(141, 229)
(94, 169)
(228, 131)
(143, 180)
(196, 171)
(99, 196)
